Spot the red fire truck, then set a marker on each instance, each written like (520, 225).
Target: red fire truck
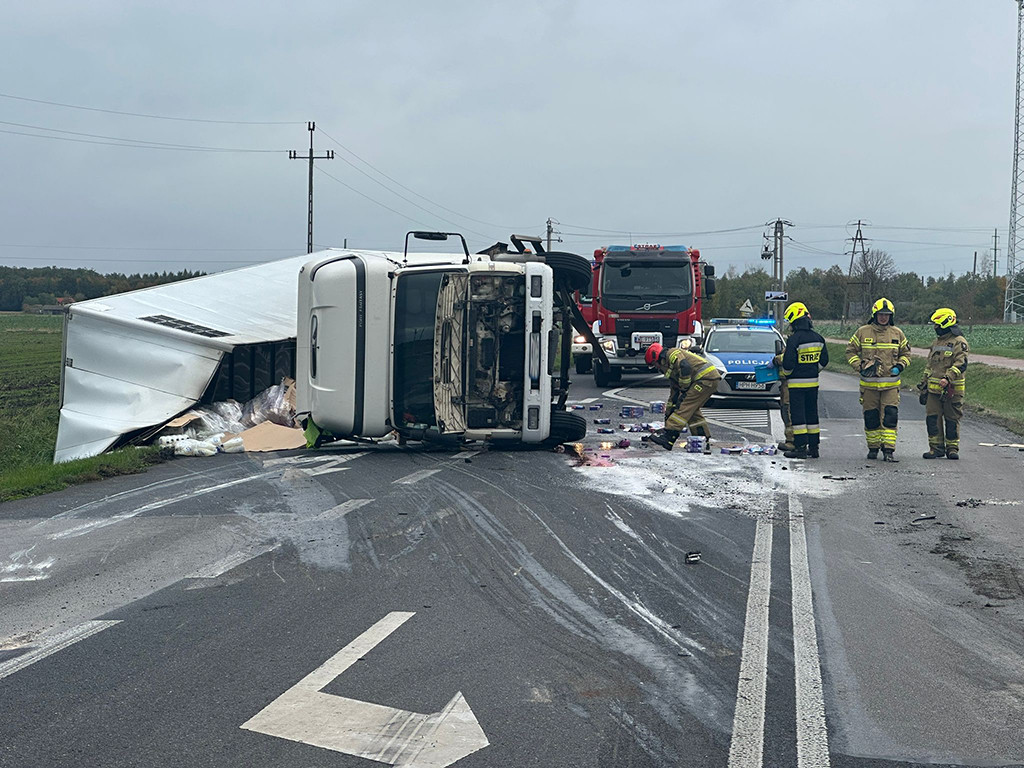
(641, 294)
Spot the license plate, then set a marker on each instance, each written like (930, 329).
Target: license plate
(750, 385)
(644, 340)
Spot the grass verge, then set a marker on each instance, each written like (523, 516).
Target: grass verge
(30, 348)
(995, 393)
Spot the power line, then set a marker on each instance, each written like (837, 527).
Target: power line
(152, 117)
(372, 200)
(399, 194)
(132, 143)
(414, 192)
(629, 232)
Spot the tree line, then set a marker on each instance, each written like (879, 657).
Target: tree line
(22, 287)
(833, 293)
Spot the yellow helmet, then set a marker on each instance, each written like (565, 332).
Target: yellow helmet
(882, 305)
(796, 310)
(944, 317)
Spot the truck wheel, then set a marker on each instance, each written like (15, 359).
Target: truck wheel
(582, 364)
(566, 427)
(602, 376)
(571, 268)
(615, 375)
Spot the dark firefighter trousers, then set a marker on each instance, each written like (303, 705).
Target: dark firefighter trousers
(943, 412)
(803, 412)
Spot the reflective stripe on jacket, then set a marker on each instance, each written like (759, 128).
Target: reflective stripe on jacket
(947, 359)
(878, 348)
(805, 355)
(685, 368)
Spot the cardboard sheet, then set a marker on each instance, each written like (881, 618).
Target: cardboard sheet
(272, 437)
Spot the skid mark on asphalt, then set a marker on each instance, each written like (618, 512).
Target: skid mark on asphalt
(681, 685)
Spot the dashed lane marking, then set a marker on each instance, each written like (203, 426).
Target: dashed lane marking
(54, 644)
(221, 567)
(342, 509)
(415, 477)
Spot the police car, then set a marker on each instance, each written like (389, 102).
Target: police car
(737, 347)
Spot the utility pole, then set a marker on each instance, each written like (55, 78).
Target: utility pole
(551, 231)
(975, 272)
(778, 270)
(995, 252)
(294, 155)
(858, 240)
(1013, 309)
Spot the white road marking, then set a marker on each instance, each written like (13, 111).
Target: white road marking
(778, 426)
(586, 400)
(92, 525)
(415, 477)
(383, 734)
(747, 747)
(331, 459)
(342, 509)
(221, 567)
(811, 730)
(54, 644)
(322, 471)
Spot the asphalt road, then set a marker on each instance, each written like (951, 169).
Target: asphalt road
(519, 608)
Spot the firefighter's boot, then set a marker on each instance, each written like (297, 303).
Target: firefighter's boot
(951, 454)
(933, 453)
(800, 450)
(665, 438)
(888, 454)
(813, 442)
(872, 453)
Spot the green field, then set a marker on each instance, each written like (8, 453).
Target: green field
(30, 347)
(1002, 340)
(995, 392)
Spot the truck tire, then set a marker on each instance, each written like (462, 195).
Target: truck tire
(602, 376)
(570, 268)
(583, 364)
(566, 427)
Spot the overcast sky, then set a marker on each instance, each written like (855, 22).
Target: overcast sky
(650, 122)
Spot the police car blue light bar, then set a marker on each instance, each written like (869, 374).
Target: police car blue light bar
(742, 321)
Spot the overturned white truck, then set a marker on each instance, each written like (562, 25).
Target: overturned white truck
(436, 347)
(439, 347)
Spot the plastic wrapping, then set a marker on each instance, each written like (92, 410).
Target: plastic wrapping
(231, 417)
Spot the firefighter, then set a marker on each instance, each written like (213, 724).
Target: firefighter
(789, 443)
(880, 353)
(805, 355)
(942, 389)
(693, 380)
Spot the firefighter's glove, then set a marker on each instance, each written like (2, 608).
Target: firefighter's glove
(923, 398)
(896, 370)
(867, 371)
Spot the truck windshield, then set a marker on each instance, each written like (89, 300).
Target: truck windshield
(638, 286)
(742, 341)
(415, 310)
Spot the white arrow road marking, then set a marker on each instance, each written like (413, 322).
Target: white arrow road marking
(367, 730)
(54, 644)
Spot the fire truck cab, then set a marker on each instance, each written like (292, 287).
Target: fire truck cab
(641, 295)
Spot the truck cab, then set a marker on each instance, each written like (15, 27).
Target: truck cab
(445, 347)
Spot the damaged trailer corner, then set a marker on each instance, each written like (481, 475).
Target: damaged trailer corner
(135, 360)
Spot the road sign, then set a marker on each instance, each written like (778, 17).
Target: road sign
(386, 735)
(776, 296)
(746, 308)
